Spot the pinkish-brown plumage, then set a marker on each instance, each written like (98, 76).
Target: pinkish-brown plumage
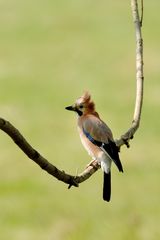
(96, 138)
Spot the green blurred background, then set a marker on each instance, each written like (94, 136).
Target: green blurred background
(50, 52)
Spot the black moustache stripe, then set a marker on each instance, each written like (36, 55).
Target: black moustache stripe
(79, 112)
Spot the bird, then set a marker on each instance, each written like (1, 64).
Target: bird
(97, 139)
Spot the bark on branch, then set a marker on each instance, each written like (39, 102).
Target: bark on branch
(71, 180)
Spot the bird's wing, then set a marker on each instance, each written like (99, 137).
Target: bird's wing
(97, 129)
(100, 135)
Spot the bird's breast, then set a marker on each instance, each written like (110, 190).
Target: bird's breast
(92, 149)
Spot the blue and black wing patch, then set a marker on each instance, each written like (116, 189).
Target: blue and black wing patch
(109, 148)
(97, 143)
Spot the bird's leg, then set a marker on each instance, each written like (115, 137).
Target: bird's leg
(93, 163)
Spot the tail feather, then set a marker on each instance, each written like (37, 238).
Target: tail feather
(107, 187)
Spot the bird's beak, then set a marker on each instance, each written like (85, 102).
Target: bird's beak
(70, 108)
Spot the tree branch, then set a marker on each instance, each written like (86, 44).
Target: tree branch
(17, 137)
(125, 138)
(71, 180)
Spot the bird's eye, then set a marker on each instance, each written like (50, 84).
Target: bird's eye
(81, 106)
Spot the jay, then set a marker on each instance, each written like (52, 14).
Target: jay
(97, 139)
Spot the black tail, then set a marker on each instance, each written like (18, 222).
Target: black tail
(107, 187)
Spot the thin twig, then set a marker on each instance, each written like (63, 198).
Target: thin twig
(141, 21)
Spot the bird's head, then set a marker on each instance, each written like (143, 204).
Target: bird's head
(83, 105)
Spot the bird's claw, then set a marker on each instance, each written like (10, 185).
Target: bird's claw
(93, 163)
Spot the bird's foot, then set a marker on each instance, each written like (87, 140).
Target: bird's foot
(93, 163)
